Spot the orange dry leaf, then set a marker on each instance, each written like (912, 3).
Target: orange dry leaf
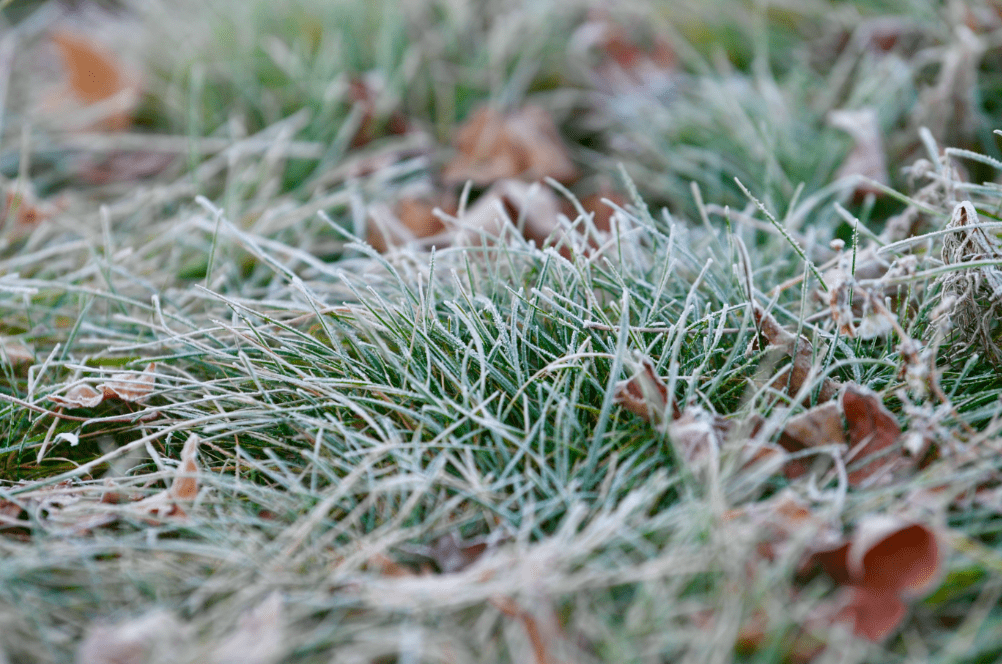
(886, 562)
(23, 208)
(873, 430)
(492, 146)
(95, 75)
(14, 352)
(185, 485)
(364, 92)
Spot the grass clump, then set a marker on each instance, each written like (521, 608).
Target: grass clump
(428, 455)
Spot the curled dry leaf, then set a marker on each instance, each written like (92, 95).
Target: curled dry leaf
(131, 641)
(799, 349)
(873, 431)
(79, 396)
(412, 219)
(184, 487)
(645, 394)
(492, 146)
(95, 75)
(509, 202)
(818, 426)
(125, 386)
(621, 62)
(130, 386)
(258, 639)
(866, 158)
(886, 562)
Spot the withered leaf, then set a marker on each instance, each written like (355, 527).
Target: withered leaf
(130, 386)
(506, 202)
(623, 62)
(79, 396)
(412, 219)
(866, 157)
(799, 349)
(886, 561)
(492, 146)
(185, 485)
(873, 430)
(820, 425)
(645, 394)
(95, 75)
(15, 352)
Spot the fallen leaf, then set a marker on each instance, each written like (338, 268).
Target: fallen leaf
(23, 208)
(412, 219)
(95, 75)
(541, 633)
(623, 61)
(453, 554)
(799, 349)
(131, 641)
(866, 158)
(645, 394)
(873, 431)
(130, 386)
(885, 563)
(122, 166)
(184, 487)
(14, 352)
(492, 146)
(258, 639)
(511, 202)
(79, 396)
(365, 92)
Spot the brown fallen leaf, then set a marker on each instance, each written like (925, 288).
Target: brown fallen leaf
(818, 426)
(184, 487)
(95, 75)
(799, 349)
(79, 396)
(130, 386)
(511, 202)
(887, 562)
(14, 352)
(121, 166)
(542, 633)
(866, 158)
(621, 60)
(364, 92)
(22, 209)
(646, 395)
(412, 219)
(873, 431)
(492, 146)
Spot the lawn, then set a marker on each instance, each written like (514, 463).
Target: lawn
(490, 331)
